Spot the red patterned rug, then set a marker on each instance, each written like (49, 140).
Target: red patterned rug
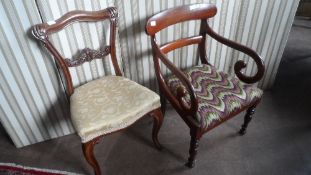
(14, 169)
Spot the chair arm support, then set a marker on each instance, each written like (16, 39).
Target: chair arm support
(190, 110)
(239, 65)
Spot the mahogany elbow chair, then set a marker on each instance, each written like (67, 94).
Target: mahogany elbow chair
(105, 105)
(203, 96)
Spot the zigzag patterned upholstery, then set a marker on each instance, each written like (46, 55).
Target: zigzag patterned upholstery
(218, 94)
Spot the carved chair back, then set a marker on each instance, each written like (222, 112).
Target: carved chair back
(42, 31)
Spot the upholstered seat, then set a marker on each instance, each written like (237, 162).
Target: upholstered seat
(109, 104)
(218, 94)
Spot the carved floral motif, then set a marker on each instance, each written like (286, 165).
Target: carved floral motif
(113, 12)
(39, 33)
(87, 55)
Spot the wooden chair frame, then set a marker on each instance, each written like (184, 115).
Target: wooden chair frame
(42, 31)
(188, 111)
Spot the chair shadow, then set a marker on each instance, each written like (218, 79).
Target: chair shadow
(5, 135)
(137, 135)
(51, 122)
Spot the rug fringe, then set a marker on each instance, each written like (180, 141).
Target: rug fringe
(37, 169)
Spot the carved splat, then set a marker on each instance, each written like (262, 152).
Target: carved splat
(87, 55)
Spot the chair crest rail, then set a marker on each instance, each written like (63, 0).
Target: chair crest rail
(78, 16)
(182, 13)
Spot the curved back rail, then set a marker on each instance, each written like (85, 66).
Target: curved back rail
(180, 43)
(42, 31)
(180, 14)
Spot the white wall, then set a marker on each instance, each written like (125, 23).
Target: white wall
(33, 107)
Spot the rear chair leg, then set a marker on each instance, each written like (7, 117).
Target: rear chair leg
(88, 151)
(248, 117)
(158, 120)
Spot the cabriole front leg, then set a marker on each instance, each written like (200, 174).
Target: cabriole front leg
(158, 120)
(88, 151)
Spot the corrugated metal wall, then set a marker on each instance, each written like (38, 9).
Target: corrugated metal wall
(33, 107)
(262, 25)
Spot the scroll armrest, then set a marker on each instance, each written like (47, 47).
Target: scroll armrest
(239, 65)
(191, 108)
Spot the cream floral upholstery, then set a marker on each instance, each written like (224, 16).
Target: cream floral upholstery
(218, 94)
(109, 104)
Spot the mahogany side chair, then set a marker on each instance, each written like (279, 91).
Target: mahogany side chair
(105, 105)
(203, 96)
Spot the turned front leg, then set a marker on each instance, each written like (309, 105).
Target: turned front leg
(248, 117)
(194, 144)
